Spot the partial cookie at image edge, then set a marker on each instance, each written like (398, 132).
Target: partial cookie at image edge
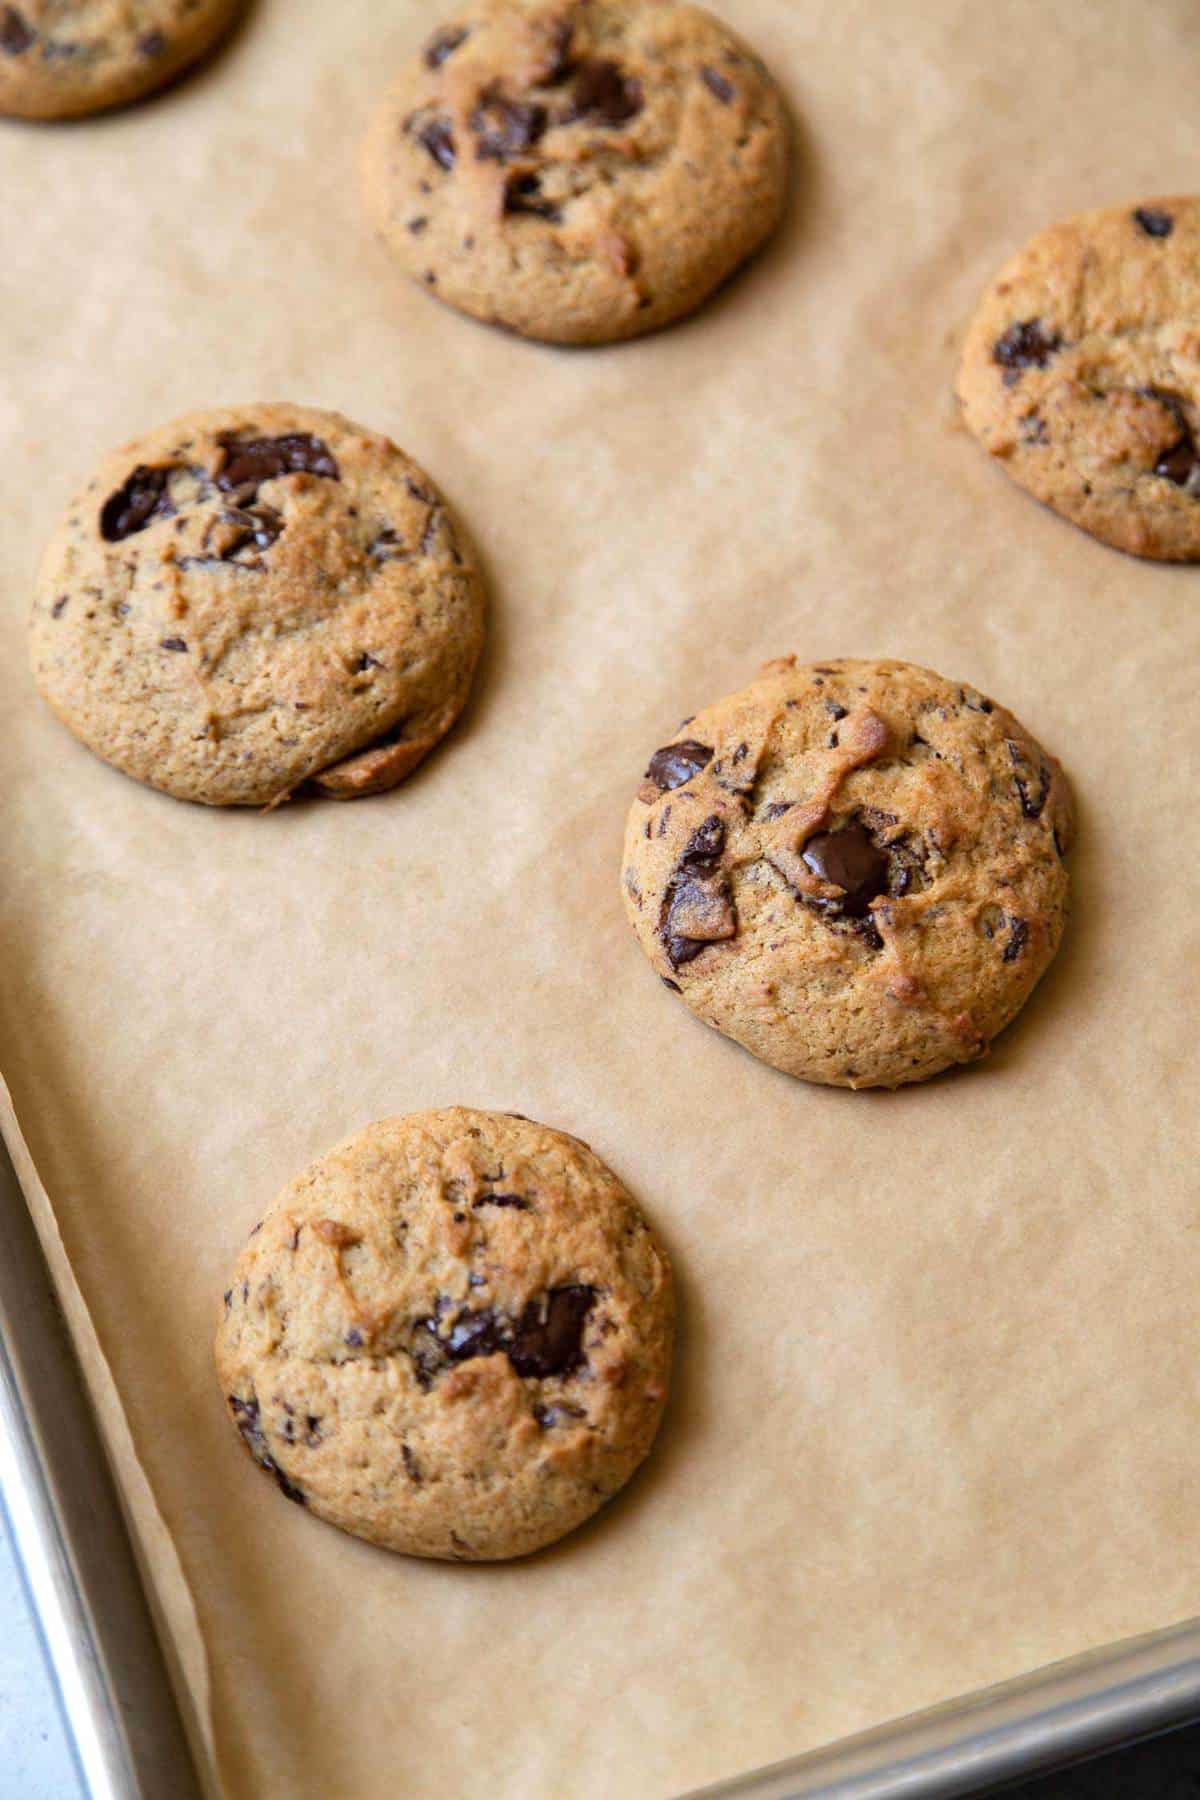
(578, 175)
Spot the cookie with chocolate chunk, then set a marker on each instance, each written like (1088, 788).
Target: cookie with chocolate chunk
(256, 601)
(451, 1335)
(855, 869)
(62, 58)
(1081, 374)
(578, 170)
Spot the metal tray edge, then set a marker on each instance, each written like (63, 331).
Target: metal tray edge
(1029, 1726)
(78, 1561)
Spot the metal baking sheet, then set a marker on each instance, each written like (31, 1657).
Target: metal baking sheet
(75, 1551)
(1064, 1714)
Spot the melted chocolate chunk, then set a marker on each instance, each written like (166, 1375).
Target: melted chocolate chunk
(1154, 222)
(257, 527)
(387, 546)
(517, 1201)
(705, 847)
(1026, 345)
(1018, 937)
(549, 1336)
(59, 607)
(247, 1418)
(16, 33)
(173, 643)
(474, 1334)
(906, 869)
(505, 127)
(1032, 801)
(682, 950)
(546, 1340)
(428, 1353)
(251, 461)
(436, 136)
(849, 859)
(288, 1488)
(1181, 463)
(144, 498)
(152, 43)
(671, 766)
(605, 94)
(716, 84)
(697, 907)
(444, 44)
(563, 61)
(523, 195)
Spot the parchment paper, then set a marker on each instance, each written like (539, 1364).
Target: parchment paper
(936, 1413)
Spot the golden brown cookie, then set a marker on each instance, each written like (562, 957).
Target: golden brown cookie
(1081, 374)
(451, 1335)
(257, 600)
(578, 170)
(62, 58)
(855, 869)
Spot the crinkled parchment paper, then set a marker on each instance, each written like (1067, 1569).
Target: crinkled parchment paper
(936, 1412)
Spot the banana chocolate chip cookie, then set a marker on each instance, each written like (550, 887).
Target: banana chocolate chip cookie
(62, 58)
(1081, 374)
(451, 1335)
(255, 601)
(855, 869)
(578, 170)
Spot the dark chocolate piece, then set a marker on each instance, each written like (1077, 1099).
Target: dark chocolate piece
(674, 764)
(1025, 345)
(1153, 221)
(604, 94)
(143, 498)
(851, 860)
(716, 84)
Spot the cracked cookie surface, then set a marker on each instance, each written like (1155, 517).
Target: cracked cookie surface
(854, 869)
(62, 58)
(451, 1335)
(256, 600)
(579, 171)
(1081, 374)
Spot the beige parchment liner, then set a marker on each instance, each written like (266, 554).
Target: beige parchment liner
(935, 1420)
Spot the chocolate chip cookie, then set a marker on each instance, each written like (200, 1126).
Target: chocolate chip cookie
(578, 170)
(1081, 374)
(855, 869)
(255, 601)
(62, 58)
(451, 1335)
